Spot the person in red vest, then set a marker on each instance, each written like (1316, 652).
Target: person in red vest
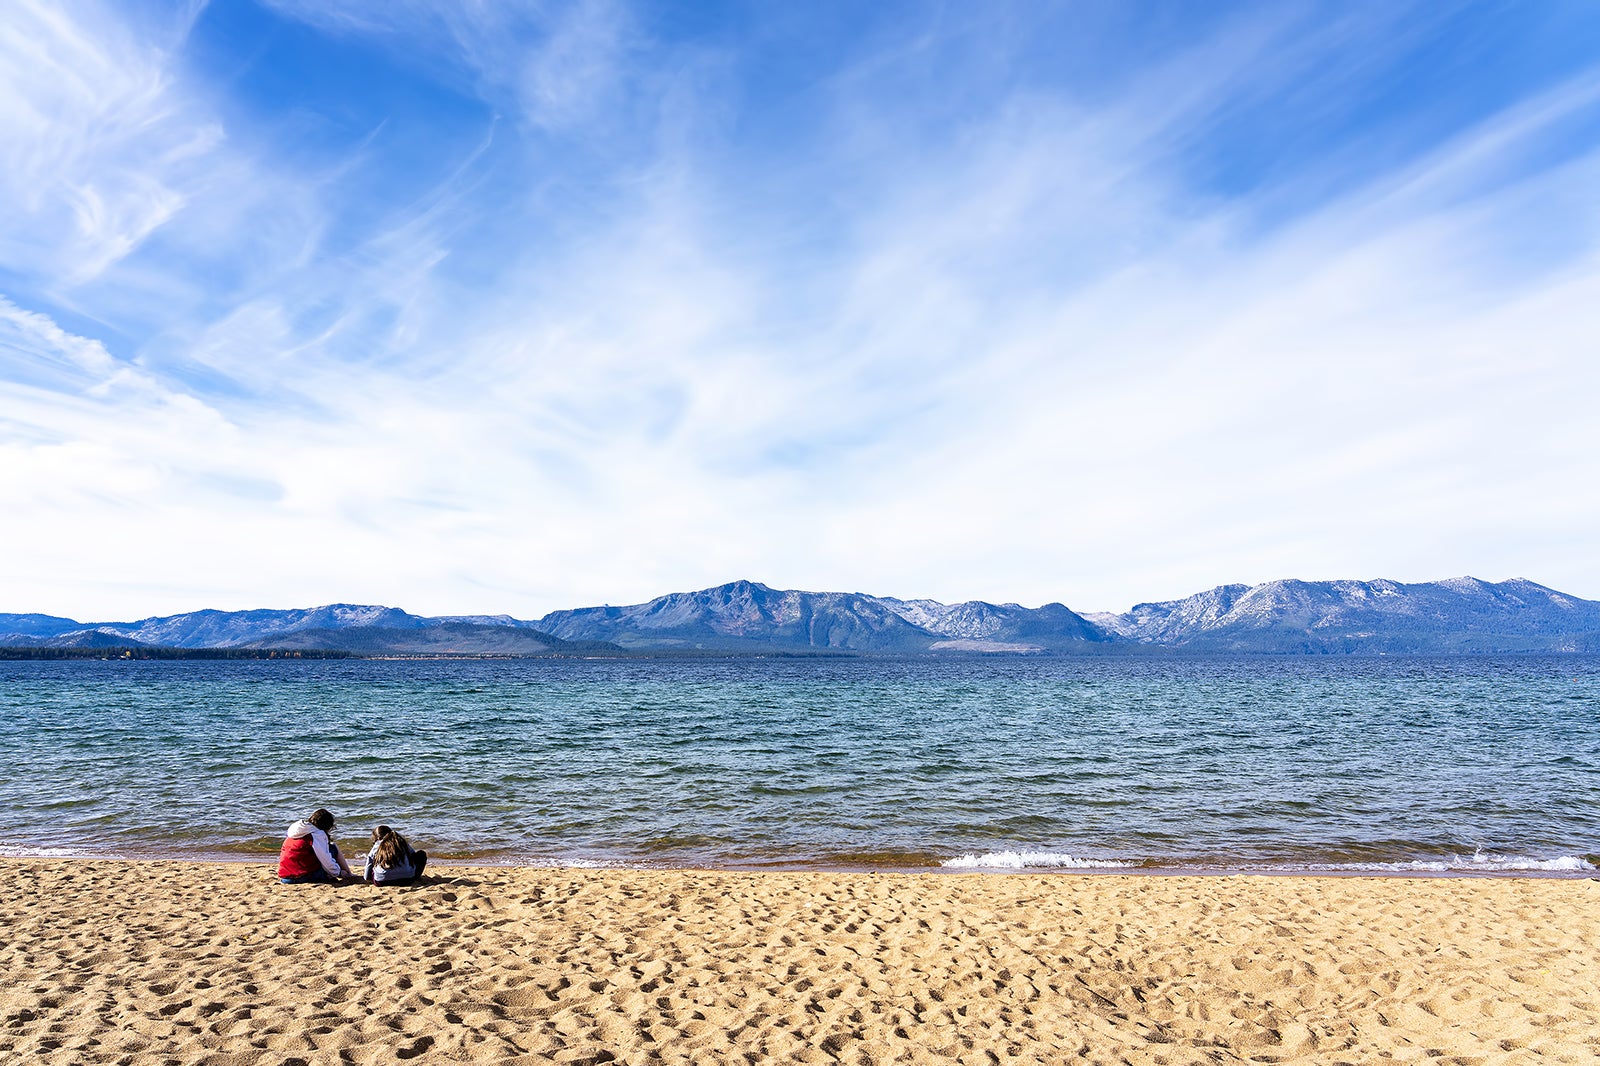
(308, 855)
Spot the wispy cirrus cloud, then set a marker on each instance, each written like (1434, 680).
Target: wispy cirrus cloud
(555, 65)
(905, 303)
(99, 145)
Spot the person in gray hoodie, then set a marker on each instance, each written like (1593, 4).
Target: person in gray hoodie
(392, 860)
(309, 855)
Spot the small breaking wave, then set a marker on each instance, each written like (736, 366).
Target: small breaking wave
(1032, 860)
(1477, 862)
(25, 851)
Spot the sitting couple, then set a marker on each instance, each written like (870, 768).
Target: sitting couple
(309, 855)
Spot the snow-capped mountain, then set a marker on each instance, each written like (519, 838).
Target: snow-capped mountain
(978, 626)
(1457, 615)
(1279, 617)
(743, 615)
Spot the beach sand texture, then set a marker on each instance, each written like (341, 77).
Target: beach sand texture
(167, 962)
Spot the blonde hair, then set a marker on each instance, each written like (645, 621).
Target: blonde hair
(392, 847)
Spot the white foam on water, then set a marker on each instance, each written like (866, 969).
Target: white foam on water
(1030, 860)
(579, 864)
(1477, 862)
(553, 862)
(23, 851)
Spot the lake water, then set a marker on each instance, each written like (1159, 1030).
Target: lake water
(1292, 764)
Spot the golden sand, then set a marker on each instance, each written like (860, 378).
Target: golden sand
(165, 962)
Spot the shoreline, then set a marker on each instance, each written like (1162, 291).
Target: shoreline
(1557, 870)
(189, 962)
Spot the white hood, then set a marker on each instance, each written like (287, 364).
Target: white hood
(299, 829)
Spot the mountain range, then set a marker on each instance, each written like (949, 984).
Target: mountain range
(1460, 615)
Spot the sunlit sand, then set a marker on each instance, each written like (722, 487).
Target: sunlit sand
(144, 962)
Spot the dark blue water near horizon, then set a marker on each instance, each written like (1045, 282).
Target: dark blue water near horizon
(1469, 764)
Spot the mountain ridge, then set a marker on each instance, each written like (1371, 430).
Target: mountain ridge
(1462, 614)
(1287, 616)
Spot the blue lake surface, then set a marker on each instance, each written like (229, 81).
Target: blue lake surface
(1343, 764)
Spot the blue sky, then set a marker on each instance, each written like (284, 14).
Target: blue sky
(510, 307)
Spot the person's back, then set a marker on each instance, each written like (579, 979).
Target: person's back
(392, 861)
(308, 854)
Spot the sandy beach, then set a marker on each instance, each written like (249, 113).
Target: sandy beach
(171, 962)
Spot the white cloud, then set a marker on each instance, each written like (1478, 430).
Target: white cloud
(1022, 363)
(574, 73)
(97, 142)
(33, 339)
(557, 65)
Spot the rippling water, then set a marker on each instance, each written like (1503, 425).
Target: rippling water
(1237, 763)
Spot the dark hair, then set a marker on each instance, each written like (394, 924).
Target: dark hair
(392, 847)
(321, 819)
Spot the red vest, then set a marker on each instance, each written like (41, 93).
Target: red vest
(297, 858)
